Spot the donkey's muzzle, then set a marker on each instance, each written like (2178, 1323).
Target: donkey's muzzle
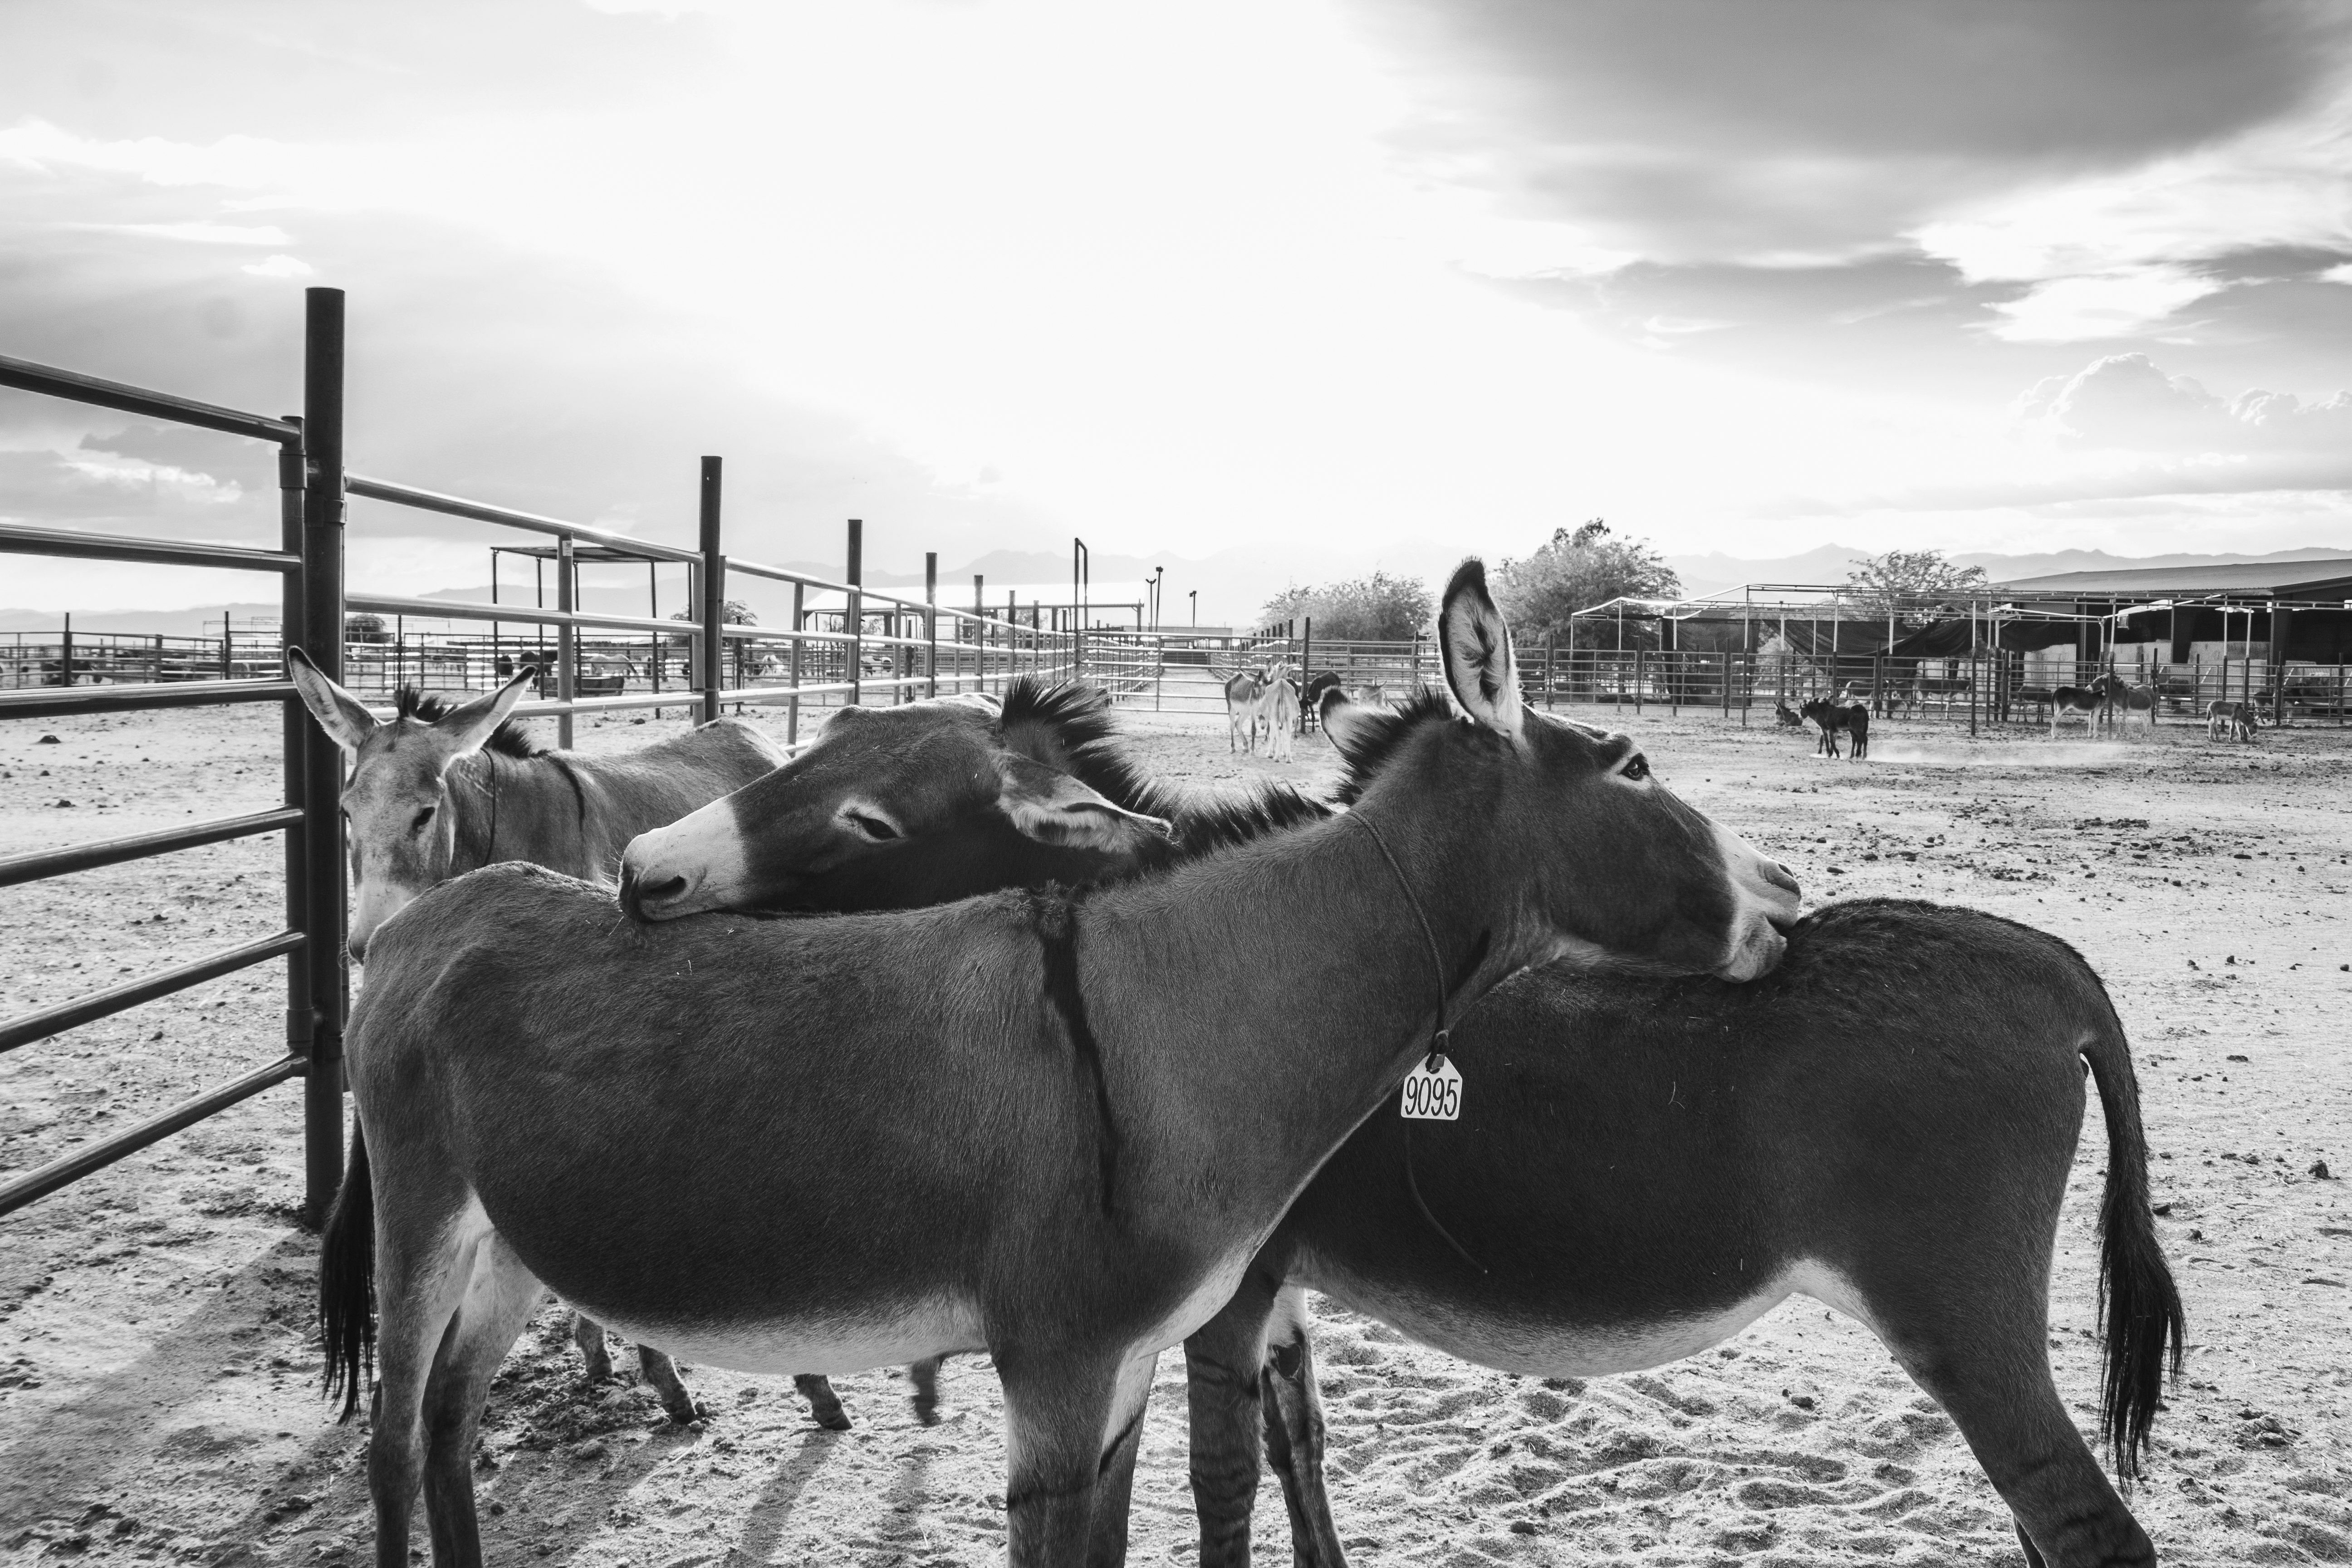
(1767, 901)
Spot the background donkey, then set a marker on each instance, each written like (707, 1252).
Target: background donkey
(442, 790)
(1624, 1174)
(1039, 1152)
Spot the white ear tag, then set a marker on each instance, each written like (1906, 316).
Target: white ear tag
(1432, 1092)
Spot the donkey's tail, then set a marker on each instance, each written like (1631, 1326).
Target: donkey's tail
(347, 1281)
(2140, 1306)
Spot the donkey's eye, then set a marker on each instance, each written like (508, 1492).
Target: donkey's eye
(421, 818)
(1636, 769)
(872, 827)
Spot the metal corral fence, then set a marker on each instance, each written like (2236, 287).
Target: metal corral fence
(873, 647)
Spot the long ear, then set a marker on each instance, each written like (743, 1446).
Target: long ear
(1480, 670)
(346, 721)
(466, 727)
(1050, 806)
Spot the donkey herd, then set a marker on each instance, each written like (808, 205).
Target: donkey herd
(949, 1033)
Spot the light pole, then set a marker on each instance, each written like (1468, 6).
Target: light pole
(1195, 596)
(1157, 574)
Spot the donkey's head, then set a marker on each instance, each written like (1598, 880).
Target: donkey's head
(402, 819)
(899, 807)
(1603, 859)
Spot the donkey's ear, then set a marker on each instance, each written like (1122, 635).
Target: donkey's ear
(1480, 671)
(465, 728)
(341, 715)
(1050, 806)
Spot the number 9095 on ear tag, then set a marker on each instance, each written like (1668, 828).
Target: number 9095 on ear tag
(1432, 1093)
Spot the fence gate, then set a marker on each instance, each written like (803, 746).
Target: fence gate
(309, 563)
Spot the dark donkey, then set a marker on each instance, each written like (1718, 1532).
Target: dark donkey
(443, 789)
(1644, 1166)
(1007, 1124)
(1831, 717)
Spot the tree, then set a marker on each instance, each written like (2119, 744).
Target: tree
(1905, 583)
(1582, 566)
(1378, 608)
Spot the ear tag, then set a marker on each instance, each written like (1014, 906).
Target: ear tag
(1432, 1092)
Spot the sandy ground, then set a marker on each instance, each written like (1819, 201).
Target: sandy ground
(158, 1377)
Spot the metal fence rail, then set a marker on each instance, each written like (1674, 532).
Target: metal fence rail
(309, 563)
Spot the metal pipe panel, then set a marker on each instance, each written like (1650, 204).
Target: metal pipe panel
(72, 383)
(25, 1029)
(24, 539)
(47, 1179)
(506, 517)
(42, 863)
(48, 702)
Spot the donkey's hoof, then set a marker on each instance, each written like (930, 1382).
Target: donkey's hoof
(686, 1412)
(598, 1369)
(926, 1411)
(834, 1420)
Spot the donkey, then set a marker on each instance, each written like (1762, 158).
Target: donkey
(442, 790)
(1278, 706)
(1240, 710)
(2119, 700)
(2084, 700)
(1310, 701)
(1618, 1178)
(1009, 1123)
(1788, 717)
(2233, 719)
(1831, 717)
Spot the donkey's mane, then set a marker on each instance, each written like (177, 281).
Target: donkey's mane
(510, 739)
(1372, 739)
(1078, 719)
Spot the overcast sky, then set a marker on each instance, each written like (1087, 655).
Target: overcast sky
(1373, 277)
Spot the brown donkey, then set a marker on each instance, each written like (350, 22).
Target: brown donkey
(1009, 1124)
(1669, 1159)
(441, 790)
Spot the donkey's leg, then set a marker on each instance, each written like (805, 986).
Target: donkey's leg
(925, 1375)
(424, 1252)
(824, 1405)
(1114, 1472)
(589, 1335)
(656, 1368)
(500, 1296)
(1058, 1407)
(1985, 1362)
(1222, 1393)
(1293, 1434)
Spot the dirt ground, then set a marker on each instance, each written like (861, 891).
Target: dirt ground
(159, 1376)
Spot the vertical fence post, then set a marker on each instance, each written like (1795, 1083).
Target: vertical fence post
(792, 705)
(855, 624)
(65, 660)
(322, 638)
(714, 594)
(294, 726)
(932, 622)
(567, 637)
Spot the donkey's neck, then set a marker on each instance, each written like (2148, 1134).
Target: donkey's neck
(1328, 985)
(520, 808)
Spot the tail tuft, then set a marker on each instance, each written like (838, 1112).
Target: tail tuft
(347, 1282)
(2139, 1306)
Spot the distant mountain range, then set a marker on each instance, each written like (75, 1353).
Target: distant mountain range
(1231, 584)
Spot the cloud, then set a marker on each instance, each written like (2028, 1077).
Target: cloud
(2118, 304)
(2127, 402)
(280, 266)
(204, 233)
(1689, 131)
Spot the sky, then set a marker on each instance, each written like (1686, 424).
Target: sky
(1356, 284)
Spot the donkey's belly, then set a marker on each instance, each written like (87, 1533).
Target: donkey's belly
(884, 1337)
(1538, 1343)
